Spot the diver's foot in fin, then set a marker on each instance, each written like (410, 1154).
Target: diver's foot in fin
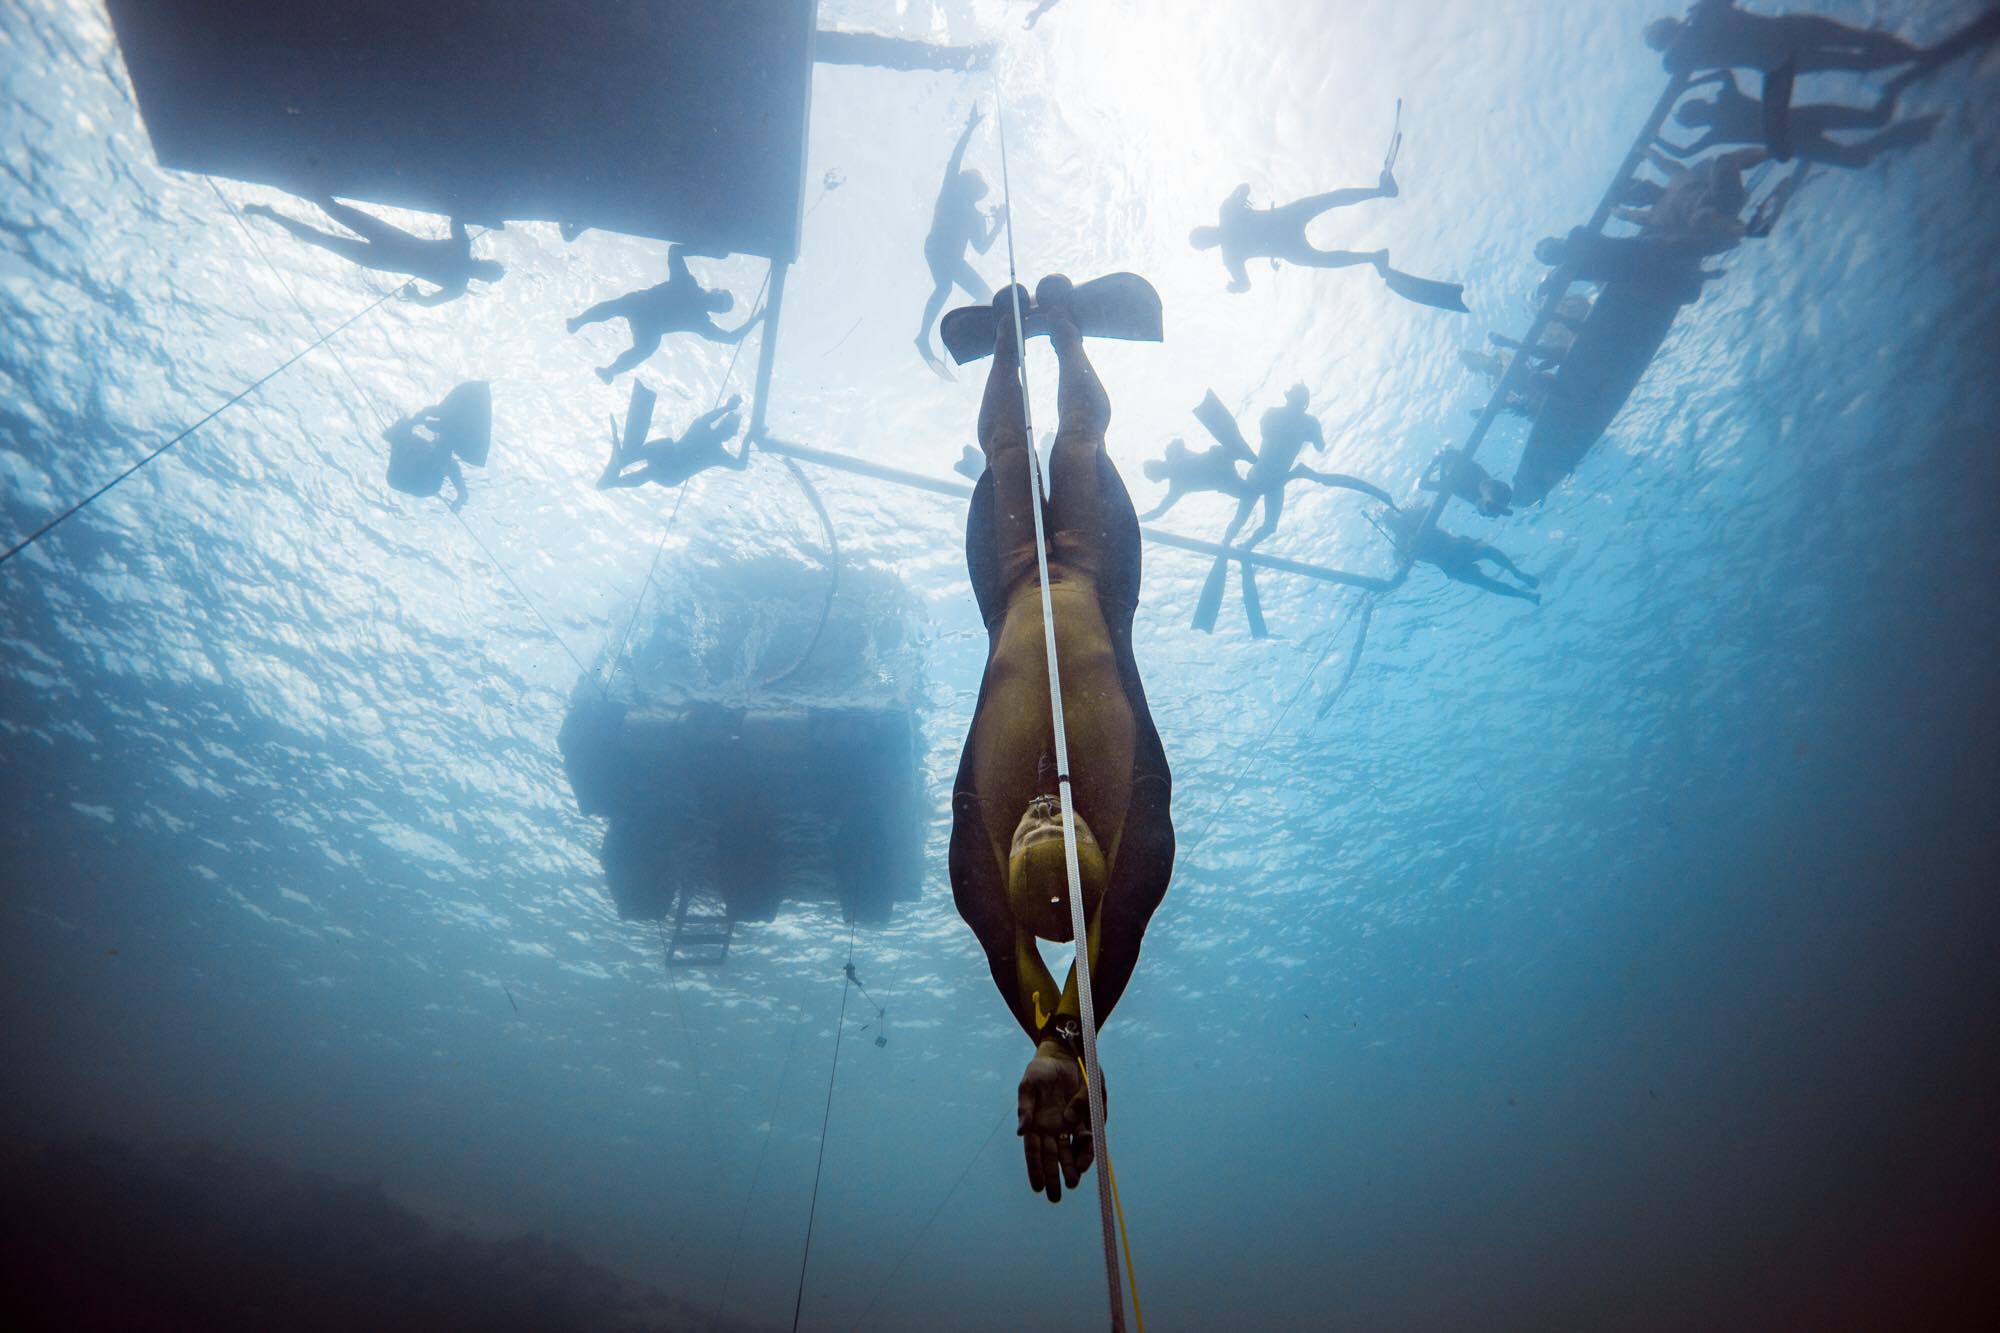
(1387, 184)
(1117, 305)
(937, 366)
(606, 374)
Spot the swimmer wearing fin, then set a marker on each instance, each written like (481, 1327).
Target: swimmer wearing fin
(637, 461)
(956, 222)
(678, 305)
(425, 447)
(445, 263)
(1007, 847)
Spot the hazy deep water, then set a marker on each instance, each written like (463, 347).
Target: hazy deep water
(1627, 962)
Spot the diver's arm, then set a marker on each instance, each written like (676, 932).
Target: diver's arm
(957, 158)
(989, 230)
(980, 894)
(1174, 493)
(1687, 150)
(450, 292)
(1138, 883)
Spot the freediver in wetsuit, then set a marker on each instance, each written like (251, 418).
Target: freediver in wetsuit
(678, 305)
(1007, 849)
(956, 222)
(669, 462)
(447, 263)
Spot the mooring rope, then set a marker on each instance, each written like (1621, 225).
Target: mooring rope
(1079, 926)
(826, 1118)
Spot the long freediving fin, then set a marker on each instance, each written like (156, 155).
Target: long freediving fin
(1218, 422)
(1209, 604)
(1253, 605)
(1778, 108)
(1424, 291)
(638, 419)
(1117, 305)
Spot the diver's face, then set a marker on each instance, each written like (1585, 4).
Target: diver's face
(1040, 822)
(1038, 887)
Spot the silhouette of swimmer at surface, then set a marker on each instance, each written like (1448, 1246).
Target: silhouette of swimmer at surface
(669, 462)
(425, 447)
(1717, 35)
(446, 263)
(1283, 431)
(678, 305)
(1457, 558)
(1731, 117)
(1186, 472)
(956, 222)
(1462, 478)
(1007, 842)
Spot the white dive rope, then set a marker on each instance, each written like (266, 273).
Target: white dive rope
(1079, 926)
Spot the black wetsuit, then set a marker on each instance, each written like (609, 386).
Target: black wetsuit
(1125, 802)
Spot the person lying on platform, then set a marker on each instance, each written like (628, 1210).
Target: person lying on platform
(1558, 335)
(1731, 117)
(1007, 858)
(669, 462)
(956, 222)
(1717, 35)
(1461, 477)
(678, 305)
(1698, 216)
(1455, 557)
(1284, 431)
(446, 263)
(1526, 398)
(426, 446)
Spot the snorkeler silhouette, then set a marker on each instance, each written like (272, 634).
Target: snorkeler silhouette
(1007, 844)
(1731, 117)
(1283, 432)
(1715, 34)
(956, 222)
(669, 462)
(425, 447)
(1244, 233)
(678, 305)
(1462, 477)
(1455, 557)
(446, 263)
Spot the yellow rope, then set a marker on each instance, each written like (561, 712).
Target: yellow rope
(1118, 1205)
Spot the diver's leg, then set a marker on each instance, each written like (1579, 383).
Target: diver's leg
(1341, 479)
(1274, 509)
(967, 277)
(1485, 552)
(1815, 36)
(1243, 508)
(1003, 435)
(933, 307)
(1903, 134)
(1477, 578)
(1302, 211)
(1083, 413)
(617, 307)
(1306, 256)
(347, 247)
(645, 342)
(365, 225)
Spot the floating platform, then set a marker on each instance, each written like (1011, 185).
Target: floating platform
(683, 120)
(1618, 341)
(759, 745)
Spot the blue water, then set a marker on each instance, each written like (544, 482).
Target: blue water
(1625, 962)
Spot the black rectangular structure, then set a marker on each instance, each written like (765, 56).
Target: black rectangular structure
(683, 120)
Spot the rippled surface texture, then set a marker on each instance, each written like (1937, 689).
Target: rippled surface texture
(1621, 962)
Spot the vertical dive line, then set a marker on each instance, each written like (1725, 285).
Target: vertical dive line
(1079, 926)
(826, 1117)
(757, 1174)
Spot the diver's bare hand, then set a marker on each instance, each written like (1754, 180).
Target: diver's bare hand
(1047, 1104)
